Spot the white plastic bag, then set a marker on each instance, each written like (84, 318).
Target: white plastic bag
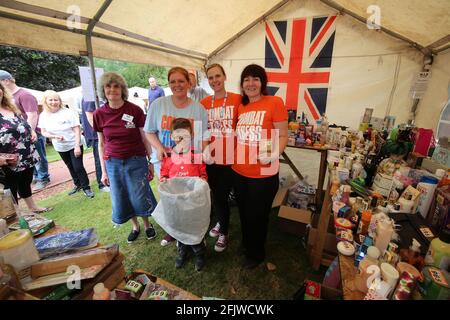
(184, 208)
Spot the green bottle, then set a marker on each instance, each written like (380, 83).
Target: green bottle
(439, 252)
(24, 223)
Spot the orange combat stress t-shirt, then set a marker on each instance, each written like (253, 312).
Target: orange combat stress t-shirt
(254, 133)
(222, 118)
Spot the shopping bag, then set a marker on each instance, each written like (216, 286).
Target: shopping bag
(424, 140)
(184, 209)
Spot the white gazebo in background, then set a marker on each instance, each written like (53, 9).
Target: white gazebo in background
(37, 94)
(72, 98)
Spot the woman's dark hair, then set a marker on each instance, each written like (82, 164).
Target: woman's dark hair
(181, 123)
(255, 71)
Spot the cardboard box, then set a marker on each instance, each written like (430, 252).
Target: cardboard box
(382, 183)
(83, 259)
(291, 220)
(330, 244)
(280, 197)
(439, 215)
(432, 165)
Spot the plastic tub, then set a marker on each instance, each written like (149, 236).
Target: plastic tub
(17, 249)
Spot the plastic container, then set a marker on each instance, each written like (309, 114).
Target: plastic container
(8, 275)
(7, 207)
(363, 227)
(406, 205)
(438, 254)
(384, 232)
(371, 258)
(17, 249)
(435, 284)
(403, 266)
(101, 292)
(426, 186)
(3, 228)
(389, 274)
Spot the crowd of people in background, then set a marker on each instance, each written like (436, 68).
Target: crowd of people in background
(131, 145)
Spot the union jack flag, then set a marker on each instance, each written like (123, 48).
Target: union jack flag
(298, 56)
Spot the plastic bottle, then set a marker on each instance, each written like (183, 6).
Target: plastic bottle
(363, 226)
(357, 169)
(101, 292)
(371, 258)
(384, 233)
(438, 254)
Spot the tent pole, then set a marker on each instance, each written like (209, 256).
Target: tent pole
(90, 27)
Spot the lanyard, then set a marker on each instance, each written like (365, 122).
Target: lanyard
(224, 100)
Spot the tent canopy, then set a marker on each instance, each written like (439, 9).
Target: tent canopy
(183, 32)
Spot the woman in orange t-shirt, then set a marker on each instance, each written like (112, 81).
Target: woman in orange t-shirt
(222, 114)
(261, 132)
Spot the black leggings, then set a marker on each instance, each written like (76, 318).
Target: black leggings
(76, 168)
(18, 182)
(220, 179)
(254, 197)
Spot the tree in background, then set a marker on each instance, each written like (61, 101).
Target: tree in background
(135, 74)
(40, 70)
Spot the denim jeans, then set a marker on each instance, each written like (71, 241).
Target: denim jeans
(41, 168)
(98, 168)
(129, 188)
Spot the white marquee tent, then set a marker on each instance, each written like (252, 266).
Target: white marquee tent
(370, 68)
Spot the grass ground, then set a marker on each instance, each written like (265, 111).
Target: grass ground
(222, 276)
(53, 155)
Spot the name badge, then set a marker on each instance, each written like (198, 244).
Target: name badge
(127, 117)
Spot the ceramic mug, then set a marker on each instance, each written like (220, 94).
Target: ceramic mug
(389, 274)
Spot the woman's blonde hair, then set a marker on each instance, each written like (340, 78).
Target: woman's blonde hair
(6, 101)
(112, 77)
(49, 93)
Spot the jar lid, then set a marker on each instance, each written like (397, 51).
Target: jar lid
(429, 179)
(373, 252)
(343, 223)
(346, 248)
(14, 239)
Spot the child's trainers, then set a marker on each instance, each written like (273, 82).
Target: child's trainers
(199, 262)
(215, 232)
(221, 243)
(167, 240)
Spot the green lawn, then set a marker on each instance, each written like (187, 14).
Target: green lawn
(222, 276)
(53, 155)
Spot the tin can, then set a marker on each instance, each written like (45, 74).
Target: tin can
(405, 286)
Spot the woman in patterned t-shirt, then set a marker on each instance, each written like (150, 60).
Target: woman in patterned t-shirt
(17, 138)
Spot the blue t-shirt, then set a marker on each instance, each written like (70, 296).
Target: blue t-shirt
(154, 94)
(163, 112)
(89, 133)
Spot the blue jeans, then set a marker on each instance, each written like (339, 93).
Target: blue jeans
(41, 168)
(98, 168)
(130, 192)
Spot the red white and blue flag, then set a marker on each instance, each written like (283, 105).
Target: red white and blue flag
(298, 55)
